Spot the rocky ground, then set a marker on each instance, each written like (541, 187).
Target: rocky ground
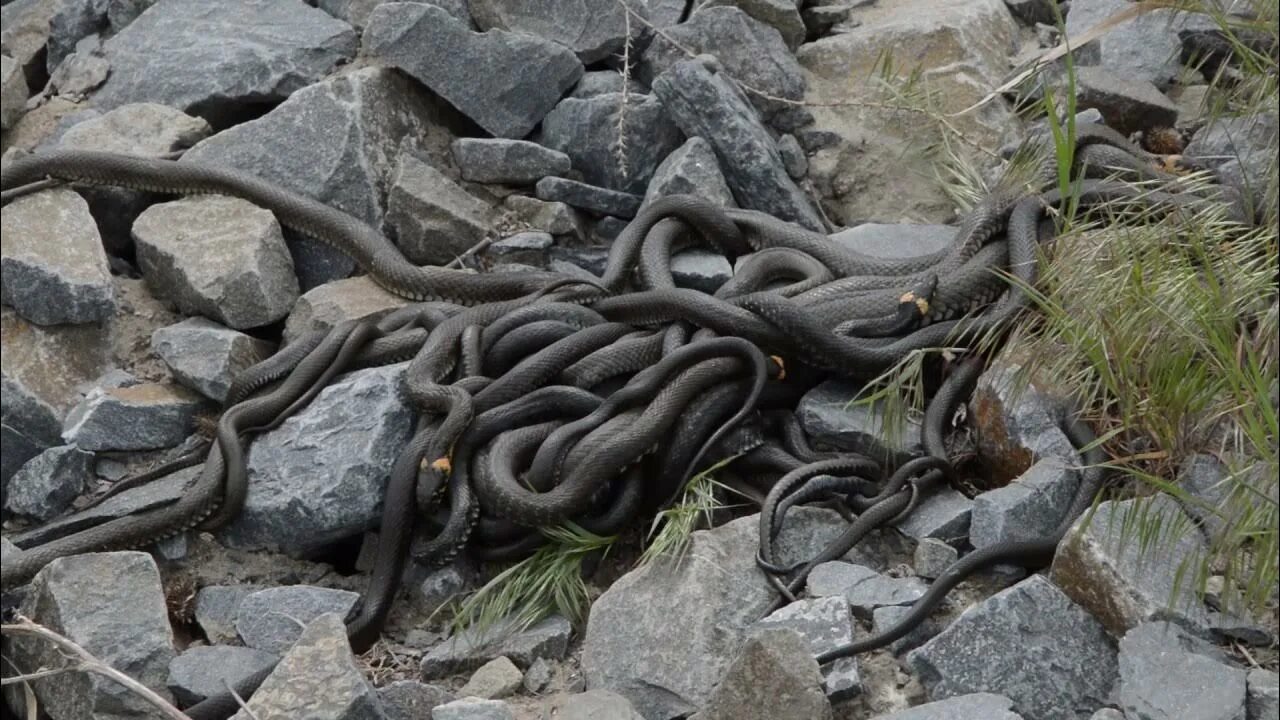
(533, 131)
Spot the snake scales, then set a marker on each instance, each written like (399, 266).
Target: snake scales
(541, 396)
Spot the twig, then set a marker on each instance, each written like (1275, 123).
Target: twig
(620, 144)
(240, 701)
(470, 252)
(85, 661)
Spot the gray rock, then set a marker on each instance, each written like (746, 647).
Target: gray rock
(55, 270)
(825, 623)
(1028, 508)
(1033, 12)
(1054, 658)
(1264, 694)
(149, 416)
(71, 23)
(933, 557)
(599, 82)
(896, 240)
(594, 29)
(92, 599)
(220, 257)
(318, 678)
(691, 170)
(1127, 104)
(515, 162)
(506, 82)
(1104, 567)
(944, 514)
(47, 483)
(1107, 714)
(556, 218)
(411, 700)
(830, 415)
(272, 619)
(1166, 674)
(337, 142)
(494, 680)
(24, 32)
(665, 668)
(206, 356)
(706, 104)
(222, 58)
(323, 307)
(320, 476)
(538, 677)
(1017, 422)
(528, 248)
(200, 672)
(700, 270)
(608, 228)
(598, 705)
(665, 13)
(598, 200)
(774, 676)
(1146, 47)
(431, 218)
(444, 584)
(1231, 627)
(793, 157)
(1243, 149)
(751, 52)
(469, 649)
(782, 15)
(81, 72)
(884, 618)
(473, 709)
(13, 92)
(217, 607)
(357, 12)
(587, 130)
(973, 706)
(591, 258)
(864, 588)
(820, 19)
(1208, 484)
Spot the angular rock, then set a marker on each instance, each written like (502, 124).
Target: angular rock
(411, 700)
(782, 15)
(336, 142)
(81, 72)
(665, 668)
(897, 241)
(528, 248)
(13, 92)
(514, 162)
(587, 130)
(751, 52)
(222, 58)
(1127, 104)
(556, 218)
(496, 679)
(1028, 508)
(598, 705)
(933, 557)
(506, 82)
(1146, 47)
(592, 259)
(1055, 657)
(986, 706)
(944, 514)
(200, 672)
(220, 257)
(217, 607)
(884, 618)
(820, 19)
(594, 29)
(24, 32)
(1209, 484)
(864, 588)
(318, 678)
(706, 104)
(599, 82)
(55, 270)
(1107, 714)
(112, 605)
(321, 474)
(539, 675)
(357, 12)
(598, 200)
(272, 619)
(47, 483)
(1243, 150)
(692, 169)
(473, 709)
(1167, 674)
(442, 585)
(774, 676)
(830, 414)
(432, 219)
(1264, 694)
(825, 623)
(71, 23)
(323, 307)
(1103, 565)
(206, 356)
(149, 416)
(701, 270)
(1017, 423)
(470, 648)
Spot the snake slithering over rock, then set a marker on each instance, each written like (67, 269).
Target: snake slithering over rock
(543, 398)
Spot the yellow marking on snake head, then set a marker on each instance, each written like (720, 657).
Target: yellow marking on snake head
(442, 465)
(782, 366)
(908, 297)
(923, 306)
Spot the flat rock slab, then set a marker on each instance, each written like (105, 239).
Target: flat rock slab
(1167, 674)
(1127, 104)
(1030, 643)
(830, 414)
(986, 706)
(774, 676)
(55, 269)
(272, 619)
(317, 679)
(200, 672)
(505, 81)
(222, 57)
(320, 476)
(330, 304)
(863, 588)
(597, 200)
(112, 605)
(206, 356)
(598, 705)
(148, 416)
(469, 649)
(514, 162)
(891, 240)
(473, 709)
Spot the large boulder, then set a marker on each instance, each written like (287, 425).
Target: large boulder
(594, 29)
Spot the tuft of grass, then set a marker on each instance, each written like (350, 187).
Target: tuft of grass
(669, 533)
